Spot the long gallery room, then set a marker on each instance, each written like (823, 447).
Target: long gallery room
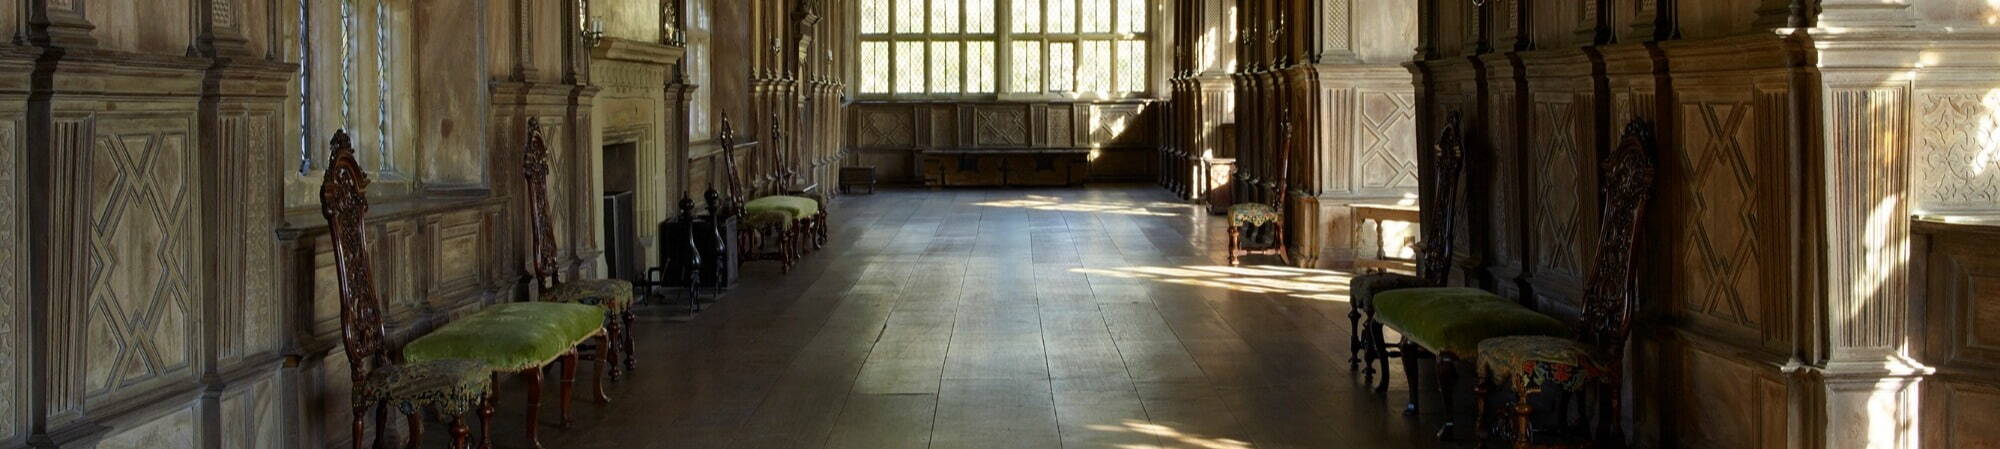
(999, 224)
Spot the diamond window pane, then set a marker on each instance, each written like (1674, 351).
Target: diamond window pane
(1131, 66)
(1026, 76)
(1062, 66)
(909, 16)
(1027, 16)
(874, 67)
(1096, 16)
(979, 16)
(1093, 71)
(979, 67)
(909, 67)
(1062, 16)
(944, 67)
(944, 16)
(1132, 16)
(874, 16)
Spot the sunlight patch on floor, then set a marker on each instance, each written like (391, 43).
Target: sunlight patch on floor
(1323, 285)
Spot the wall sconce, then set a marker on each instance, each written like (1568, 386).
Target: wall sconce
(593, 31)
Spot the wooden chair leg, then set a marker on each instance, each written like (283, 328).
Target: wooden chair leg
(416, 420)
(1447, 376)
(1524, 431)
(1378, 350)
(360, 427)
(625, 332)
(486, 413)
(597, 384)
(534, 406)
(1354, 339)
(1235, 241)
(1480, 389)
(460, 435)
(381, 425)
(568, 386)
(612, 327)
(1409, 350)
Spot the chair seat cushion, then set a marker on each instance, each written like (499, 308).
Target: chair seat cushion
(511, 337)
(767, 219)
(614, 295)
(1549, 362)
(452, 387)
(1252, 214)
(1455, 320)
(796, 207)
(1363, 288)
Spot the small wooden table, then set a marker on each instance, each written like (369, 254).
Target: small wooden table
(1383, 213)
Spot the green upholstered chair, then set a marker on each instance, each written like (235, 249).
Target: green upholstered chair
(1265, 217)
(792, 222)
(451, 387)
(615, 296)
(1434, 255)
(1533, 365)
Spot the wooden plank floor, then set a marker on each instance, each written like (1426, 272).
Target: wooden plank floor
(1099, 317)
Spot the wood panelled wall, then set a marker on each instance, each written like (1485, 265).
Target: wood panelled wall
(1335, 67)
(165, 278)
(1780, 305)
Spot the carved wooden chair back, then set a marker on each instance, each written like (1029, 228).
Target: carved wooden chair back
(1448, 157)
(734, 197)
(1284, 161)
(343, 200)
(535, 166)
(1626, 185)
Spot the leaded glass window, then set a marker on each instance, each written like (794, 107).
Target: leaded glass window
(1022, 49)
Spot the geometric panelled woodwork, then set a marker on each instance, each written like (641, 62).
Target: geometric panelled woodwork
(1956, 165)
(142, 271)
(1560, 185)
(251, 416)
(893, 137)
(999, 126)
(884, 128)
(1387, 122)
(1719, 272)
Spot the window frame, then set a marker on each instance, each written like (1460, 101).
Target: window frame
(1003, 38)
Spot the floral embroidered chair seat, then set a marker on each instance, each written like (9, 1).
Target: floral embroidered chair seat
(1252, 214)
(453, 387)
(1549, 362)
(615, 295)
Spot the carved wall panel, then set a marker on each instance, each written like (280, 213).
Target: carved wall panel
(1062, 126)
(143, 269)
(1720, 188)
(1561, 180)
(1000, 126)
(175, 430)
(250, 306)
(1386, 152)
(883, 127)
(1500, 180)
(944, 127)
(11, 293)
(251, 416)
(1956, 166)
(1727, 403)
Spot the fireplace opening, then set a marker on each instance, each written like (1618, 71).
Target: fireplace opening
(622, 253)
